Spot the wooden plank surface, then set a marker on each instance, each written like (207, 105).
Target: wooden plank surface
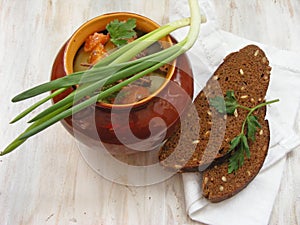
(46, 181)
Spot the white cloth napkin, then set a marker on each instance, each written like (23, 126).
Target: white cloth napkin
(254, 204)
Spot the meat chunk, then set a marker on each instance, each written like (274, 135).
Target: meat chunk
(131, 94)
(94, 40)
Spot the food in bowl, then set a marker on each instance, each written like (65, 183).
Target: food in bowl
(100, 44)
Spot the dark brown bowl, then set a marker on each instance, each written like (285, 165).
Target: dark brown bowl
(115, 127)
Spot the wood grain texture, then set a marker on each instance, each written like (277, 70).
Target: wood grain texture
(46, 181)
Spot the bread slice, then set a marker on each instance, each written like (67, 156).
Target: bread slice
(205, 134)
(218, 184)
(197, 146)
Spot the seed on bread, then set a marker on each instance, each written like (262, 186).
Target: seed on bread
(265, 148)
(241, 71)
(264, 60)
(196, 142)
(178, 167)
(215, 77)
(266, 77)
(205, 180)
(236, 114)
(207, 133)
(221, 188)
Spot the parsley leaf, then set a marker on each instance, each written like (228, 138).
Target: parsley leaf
(252, 125)
(218, 103)
(239, 144)
(235, 142)
(121, 31)
(228, 104)
(241, 147)
(235, 161)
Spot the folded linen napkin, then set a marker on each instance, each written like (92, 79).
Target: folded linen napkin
(206, 55)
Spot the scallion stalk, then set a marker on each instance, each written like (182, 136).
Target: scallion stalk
(37, 104)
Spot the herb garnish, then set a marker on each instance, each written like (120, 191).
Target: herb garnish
(239, 144)
(121, 31)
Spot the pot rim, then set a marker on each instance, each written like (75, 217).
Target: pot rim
(69, 52)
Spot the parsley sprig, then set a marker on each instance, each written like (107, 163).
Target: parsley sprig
(121, 31)
(239, 144)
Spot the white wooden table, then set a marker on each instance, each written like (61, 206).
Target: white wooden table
(46, 181)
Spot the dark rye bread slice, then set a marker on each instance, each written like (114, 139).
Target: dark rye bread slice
(205, 134)
(218, 185)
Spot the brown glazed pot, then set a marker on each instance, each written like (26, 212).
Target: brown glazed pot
(163, 108)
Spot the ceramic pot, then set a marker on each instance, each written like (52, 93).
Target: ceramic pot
(126, 129)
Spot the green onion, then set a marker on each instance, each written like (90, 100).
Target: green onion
(132, 49)
(34, 106)
(87, 90)
(18, 141)
(102, 95)
(116, 66)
